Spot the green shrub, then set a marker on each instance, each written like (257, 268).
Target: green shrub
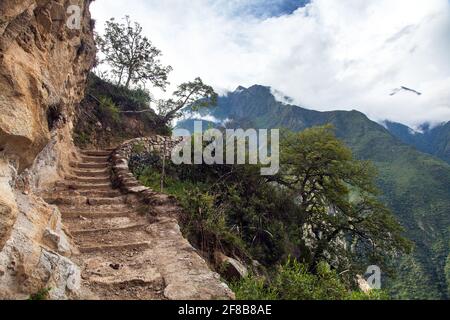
(108, 110)
(138, 148)
(253, 288)
(293, 281)
(204, 222)
(127, 99)
(42, 294)
(81, 139)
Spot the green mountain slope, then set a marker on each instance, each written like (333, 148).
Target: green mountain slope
(435, 141)
(415, 185)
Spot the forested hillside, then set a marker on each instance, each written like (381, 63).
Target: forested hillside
(415, 185)
(434, 140)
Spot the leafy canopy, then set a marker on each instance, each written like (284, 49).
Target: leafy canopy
(194, 94)
(343, 220)
(132, 57)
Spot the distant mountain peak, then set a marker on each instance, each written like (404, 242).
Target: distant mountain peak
(240, 89)
(264, 92)
(259, 87)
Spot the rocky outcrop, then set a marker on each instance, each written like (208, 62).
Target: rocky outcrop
(230, 268)
(8, 207)
(363, 284)
(43, 68)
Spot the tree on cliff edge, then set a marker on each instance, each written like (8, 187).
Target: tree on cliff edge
(133, 60)
(194, 94)
(338, 201)
(132, 57)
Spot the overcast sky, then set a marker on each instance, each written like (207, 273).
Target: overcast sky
(325, 54)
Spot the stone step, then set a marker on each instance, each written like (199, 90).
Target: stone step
(66, 200)
(84, 186)
(103, 221)
(106, 230)
(121, 207)
(89, 193)
(97, 159)
(110, 271)
(78, 200)
(89, 180)
(106, 201)
(107, 237)
(89, 165)
(124, 292)
(136, 247)
(81, 215)
(105, 173)
(96, 153)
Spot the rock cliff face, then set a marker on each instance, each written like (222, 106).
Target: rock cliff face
(46, 52)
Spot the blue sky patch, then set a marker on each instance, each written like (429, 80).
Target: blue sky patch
(268, 8)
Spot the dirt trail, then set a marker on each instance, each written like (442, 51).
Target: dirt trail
(124, 254)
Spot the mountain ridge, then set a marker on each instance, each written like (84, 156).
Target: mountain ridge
(432, 140)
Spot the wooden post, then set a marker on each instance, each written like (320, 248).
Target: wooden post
(163, 173)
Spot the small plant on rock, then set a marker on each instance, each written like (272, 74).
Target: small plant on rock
(42, 294)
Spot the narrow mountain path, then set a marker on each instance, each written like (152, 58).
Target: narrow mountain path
(123, 254)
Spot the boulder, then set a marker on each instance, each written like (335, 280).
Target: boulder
(231, 269)
(363, 284)
(36, 254)
(40, 69)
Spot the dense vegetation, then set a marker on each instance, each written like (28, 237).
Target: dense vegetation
(107, 115)
(322, 203)
(293, 281)
(414, 185)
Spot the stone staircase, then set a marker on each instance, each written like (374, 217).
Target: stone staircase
(123, 254)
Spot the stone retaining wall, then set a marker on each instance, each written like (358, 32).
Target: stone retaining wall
(121, 156)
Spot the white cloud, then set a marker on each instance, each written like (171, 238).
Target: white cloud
(328, 55)
(200, 116)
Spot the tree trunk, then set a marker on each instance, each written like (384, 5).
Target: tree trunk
(130, 75)
(127, 85)
(120, 77)
(318, 254)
